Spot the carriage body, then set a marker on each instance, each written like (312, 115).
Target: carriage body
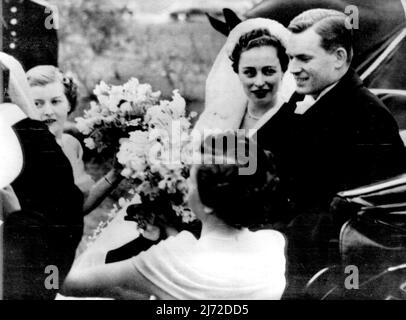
(372, 242)
(372, 218)
(373, 232)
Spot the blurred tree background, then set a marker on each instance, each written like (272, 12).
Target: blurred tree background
(102, 40)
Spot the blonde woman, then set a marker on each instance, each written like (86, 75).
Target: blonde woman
(55, 96)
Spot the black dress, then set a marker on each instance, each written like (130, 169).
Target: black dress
(49, 227)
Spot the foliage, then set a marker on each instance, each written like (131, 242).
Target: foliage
(101, 41)
(154, 147)
(118, 111)
(97, 44)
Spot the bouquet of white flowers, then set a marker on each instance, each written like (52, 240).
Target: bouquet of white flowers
(152, 141)
(157, 162)
(118, 111)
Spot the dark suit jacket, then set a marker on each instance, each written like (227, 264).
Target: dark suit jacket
(50, 225)
(347, 139)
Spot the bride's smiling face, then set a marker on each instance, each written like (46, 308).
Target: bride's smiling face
(260, 73)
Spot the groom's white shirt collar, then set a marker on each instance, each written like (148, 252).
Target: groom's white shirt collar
(309, 101)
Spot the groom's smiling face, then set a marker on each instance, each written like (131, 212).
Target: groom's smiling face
(312, 66)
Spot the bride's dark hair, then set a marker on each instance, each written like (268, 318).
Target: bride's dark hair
(258, 38)
(239, 200)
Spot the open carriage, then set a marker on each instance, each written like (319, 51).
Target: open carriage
(372, 245)
(372, 218)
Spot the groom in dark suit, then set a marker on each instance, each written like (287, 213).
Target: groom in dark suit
(333, 134)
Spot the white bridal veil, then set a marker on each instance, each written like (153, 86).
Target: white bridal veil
(225, 100)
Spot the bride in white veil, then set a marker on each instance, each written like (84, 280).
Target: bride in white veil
(226, 101)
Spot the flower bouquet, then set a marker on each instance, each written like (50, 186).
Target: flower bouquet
(118, 111)
(151, 139)
(156, 161)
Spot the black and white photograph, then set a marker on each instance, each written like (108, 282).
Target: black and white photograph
(224, 151)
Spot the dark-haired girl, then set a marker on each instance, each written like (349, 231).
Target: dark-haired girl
(228, 260)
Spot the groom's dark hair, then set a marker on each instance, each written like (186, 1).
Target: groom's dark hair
(239, 200)
(330, 25)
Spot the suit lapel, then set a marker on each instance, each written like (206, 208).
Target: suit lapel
(334, 100)
(324, 109)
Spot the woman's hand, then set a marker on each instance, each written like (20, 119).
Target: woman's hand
(102, 188)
